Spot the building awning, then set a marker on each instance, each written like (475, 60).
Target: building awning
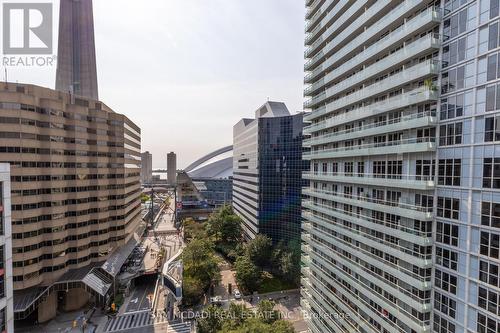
(23, 299)
(97, 282)
(116, 260)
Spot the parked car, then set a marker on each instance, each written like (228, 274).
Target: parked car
(216, 300)
(237, 294)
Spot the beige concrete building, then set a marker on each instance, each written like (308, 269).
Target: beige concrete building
(146, 167)
(171, 168)
(75, 171)
(6, 293)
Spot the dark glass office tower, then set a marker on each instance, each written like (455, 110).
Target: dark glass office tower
(267, 167)
(76, 60)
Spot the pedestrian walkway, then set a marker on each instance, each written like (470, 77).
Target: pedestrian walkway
(145, 319)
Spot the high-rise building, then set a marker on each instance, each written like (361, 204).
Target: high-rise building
(6, 292)
(372, 76)
(75, 171)
(146, 167)
(267, 173)
(467, 231)
(171, 168)
(76, 60)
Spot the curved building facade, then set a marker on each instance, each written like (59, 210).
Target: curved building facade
(75, 170)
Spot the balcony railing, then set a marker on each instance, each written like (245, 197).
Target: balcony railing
(433, 13)
(412, 231)
(426, 258)
(415, 96)
(417, 115)
(408, 75)
(430, 141)
(368, 198)
(398, 57)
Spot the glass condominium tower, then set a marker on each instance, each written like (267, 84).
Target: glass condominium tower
(402, 216)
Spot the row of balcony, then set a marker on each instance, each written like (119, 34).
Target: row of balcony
(403, 232)
(402, 272)
(386, 180)
(408, 317)
(417, 212)
(358, 25)
(412, 97)
(419, 23)
(423, 304)
(410, 51)
(312, 8)
(411, 121)
(406, 76)
(346, 15)
(405, 146)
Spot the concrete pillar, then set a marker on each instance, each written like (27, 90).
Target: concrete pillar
(75, 299)
(47, 310)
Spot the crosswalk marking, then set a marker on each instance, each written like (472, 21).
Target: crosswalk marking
(144, 319)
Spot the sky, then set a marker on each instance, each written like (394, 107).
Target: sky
(185, 71)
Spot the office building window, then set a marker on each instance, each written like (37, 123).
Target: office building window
(446, 258)
(441, 325)
(491, 172)
(450, 134)
(487, 325)
(425, 169)
(488, 300)
(489, 273)
(490, 214)
(349, 168)
(361, 169)
(489, 244)
(448, 208)
(446, 282)
(445, 304)
(447, 233)
(459, 50)
(455, 106)
(491, 129)
(449, 172)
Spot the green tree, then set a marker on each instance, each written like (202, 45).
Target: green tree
(192, 290)
(212, 321)
(259, 250)
(224, 227)
(266, 312)
(200, 269)
(247, 274)
(282, 326)
(200, 262)
(237, 314)
(193, 229)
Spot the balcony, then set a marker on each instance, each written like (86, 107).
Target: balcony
(413, 182)
(404, 253)
(408, 234)
(409, 51)
(394, 269)
(343, 16)
(417, 24)
(411, 121)
(408, 75)
(420, 213)
(358, 25)
(370, 34)
(412, 97)
(406, 146)
(312, 8)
